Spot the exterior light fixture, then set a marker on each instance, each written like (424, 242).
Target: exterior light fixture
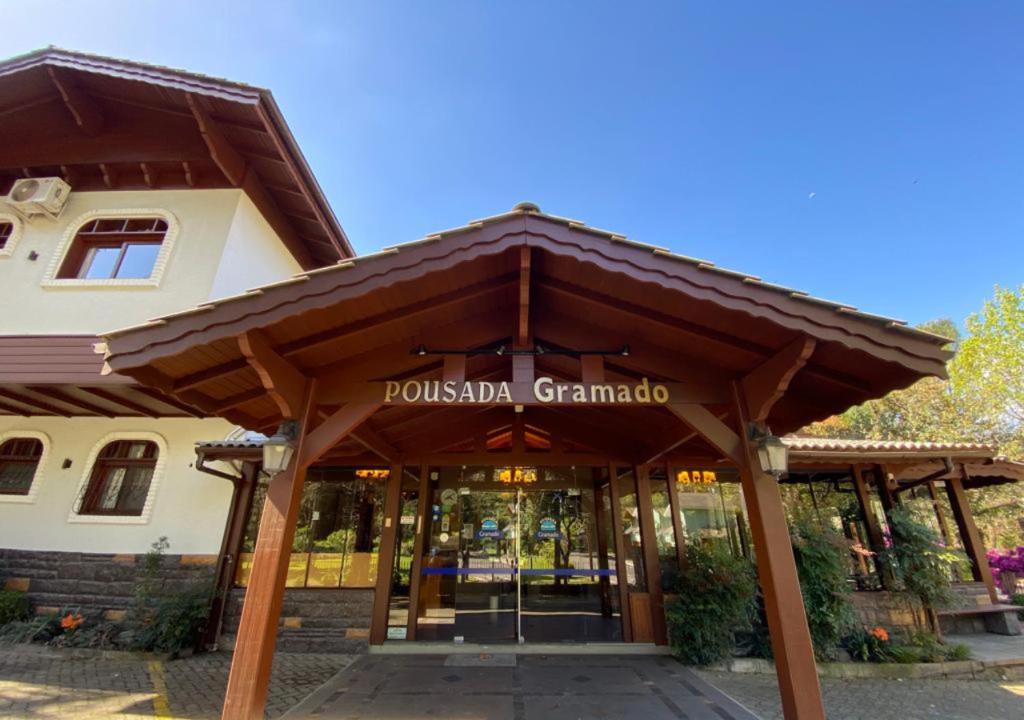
(624, 352)
(420, 350)
(771, 452)
(279, 447)
(500, 350)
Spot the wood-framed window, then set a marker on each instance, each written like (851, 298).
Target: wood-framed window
(19, 459)
(114, 248)
(120, 478)
(6, 232)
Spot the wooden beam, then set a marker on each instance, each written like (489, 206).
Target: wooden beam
(123, 402)
(173, 402)
(86, 113)
(523, 333)
(709, 427)
(63, 397)
(969, 535)
(375, 443)
(150, 175)
(109, 175)
(776, 570)
(680, 441)
(34, 403)
(767, 383)
(233, 401)
(229, 160)
(251, 663)
(190, 174)
(386, 557)
(283, 382)
(592, 368)
(333, 429)
(454, 369)
(271, 211)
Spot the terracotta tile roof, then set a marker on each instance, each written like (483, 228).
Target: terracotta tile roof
(702, 265)
(813, 444)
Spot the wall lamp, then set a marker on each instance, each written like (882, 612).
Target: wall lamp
(772, 453)
(279, 447)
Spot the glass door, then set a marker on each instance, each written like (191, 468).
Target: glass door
(521, 554)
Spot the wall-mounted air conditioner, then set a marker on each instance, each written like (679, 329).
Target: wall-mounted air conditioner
(38, 196)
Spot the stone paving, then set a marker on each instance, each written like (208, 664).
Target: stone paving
(884, 699)
(42, 683)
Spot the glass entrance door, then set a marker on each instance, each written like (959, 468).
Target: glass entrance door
(518, 554)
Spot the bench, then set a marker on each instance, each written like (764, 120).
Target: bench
(997, 618)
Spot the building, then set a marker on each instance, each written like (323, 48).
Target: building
(504, 432)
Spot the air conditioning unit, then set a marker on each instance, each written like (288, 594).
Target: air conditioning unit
(38, 196)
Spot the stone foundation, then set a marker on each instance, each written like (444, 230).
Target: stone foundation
(892, 611)
(312, 619)
(90, 582)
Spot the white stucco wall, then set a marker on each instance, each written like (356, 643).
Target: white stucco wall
(253, 255)
(223, 246)
(187, 506)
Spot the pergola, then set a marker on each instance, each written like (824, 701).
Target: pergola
(521, 298)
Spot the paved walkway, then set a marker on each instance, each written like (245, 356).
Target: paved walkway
(42, 683)
(527, 687)
(885, 699)
(989, 646)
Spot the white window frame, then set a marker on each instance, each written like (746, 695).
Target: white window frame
(37, 478)
(154, 483)
(16, 233)
(50, 279)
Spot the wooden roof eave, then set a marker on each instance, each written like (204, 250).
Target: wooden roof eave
(405, 263)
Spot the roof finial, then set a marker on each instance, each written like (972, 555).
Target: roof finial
(526, 207)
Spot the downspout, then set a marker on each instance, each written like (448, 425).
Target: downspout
(241, 499)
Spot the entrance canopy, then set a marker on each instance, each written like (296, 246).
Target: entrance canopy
(516, 298)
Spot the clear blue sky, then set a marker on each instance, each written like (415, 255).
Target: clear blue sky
(871, 153)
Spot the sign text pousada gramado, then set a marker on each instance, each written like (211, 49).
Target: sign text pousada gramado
(542, 391)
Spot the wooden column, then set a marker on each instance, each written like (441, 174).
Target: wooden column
(875, 535)
(776, 570)
(621, 569)
(423, 502)
(246, 693)
(969, 535)
(648, 536)
(386, 557)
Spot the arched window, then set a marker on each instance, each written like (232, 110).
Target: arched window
(19, 458)
(120, 478)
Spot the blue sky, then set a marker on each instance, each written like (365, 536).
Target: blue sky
(871, 153)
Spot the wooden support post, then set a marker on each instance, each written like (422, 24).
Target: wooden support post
(649, 538)
(246, 693)
(776, 569)
(875, 536)
(621, 569)
(969, 535)
(423, 503)
(386, 557)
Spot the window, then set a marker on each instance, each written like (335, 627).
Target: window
(120, 478)
(338, 535)
(19, 458)
(114, 248)
(6, 231)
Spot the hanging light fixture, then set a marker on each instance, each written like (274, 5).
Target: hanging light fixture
(279, 447)
(772, 453)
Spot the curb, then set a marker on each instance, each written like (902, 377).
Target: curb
(963, 669)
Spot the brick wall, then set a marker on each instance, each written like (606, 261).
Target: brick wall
(312, 619)
(90, 581)
(892, 611)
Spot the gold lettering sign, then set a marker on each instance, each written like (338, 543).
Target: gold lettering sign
(544, 391)
(373, 473)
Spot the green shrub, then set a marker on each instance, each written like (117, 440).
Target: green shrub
(162, 620)
(922, 564)
(1018, 599)
(821, 564)
(716, 591)
(13, 606)
(873, 646)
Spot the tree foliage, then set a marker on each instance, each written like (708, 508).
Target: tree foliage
(983, 401)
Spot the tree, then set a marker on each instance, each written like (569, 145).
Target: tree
(983, 401)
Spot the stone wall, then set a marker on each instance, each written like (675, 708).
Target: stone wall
(891, 611)
(91, 582)
(312, 619)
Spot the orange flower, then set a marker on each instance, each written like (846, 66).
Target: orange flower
(881, 634)
(71, 621)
